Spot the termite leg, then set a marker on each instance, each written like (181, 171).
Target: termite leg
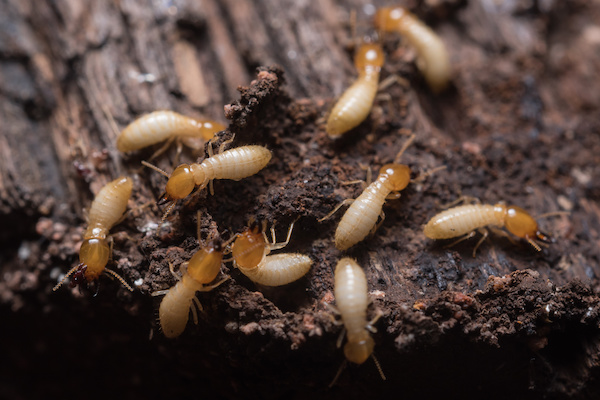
(341, 338)
(465, 237)
(182, 269)
(276, 246)
(162, 149)
(370, 326)
(484, 234)
(159, 292)
(390, 80)
(462, 199)
(343, 203)
(119, 278)
(215, 285)
(378, 224)
(195, 304)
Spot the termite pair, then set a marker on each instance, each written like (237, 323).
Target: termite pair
(360, 218)
(352, 299)
(198, 273)
(356, 102)
(250, 252)
(235, 164)
(107, 209)
(468, 219)
(167, 125)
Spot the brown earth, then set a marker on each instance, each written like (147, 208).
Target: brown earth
(518, 124)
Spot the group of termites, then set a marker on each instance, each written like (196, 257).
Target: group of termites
(250, 249)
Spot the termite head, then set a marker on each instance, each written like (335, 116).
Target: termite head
(180, 183)
(395, 176)
(93, 257)
(518, 222)
(249, 247)
(205, 264)
(369, 57)
(358, 351)
(387, 18)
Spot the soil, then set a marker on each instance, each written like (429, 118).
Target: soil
(519, 124)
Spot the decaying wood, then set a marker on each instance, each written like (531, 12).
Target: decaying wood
(519, 124)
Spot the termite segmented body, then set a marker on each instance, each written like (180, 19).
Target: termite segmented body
(250, 254)
(162, 125)
(202, 269)
(467, 219)
(356, 102)
(433, 61)
(361, 217)
(107, 209)
(237, 163)
(351, 297)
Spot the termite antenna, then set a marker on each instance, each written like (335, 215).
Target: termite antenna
(552, 214)
(425, 175)
(167, 212)
(154, 167)
(404, 147)
(378, 367)
(119, 278)
(64, 279)
(342, 367)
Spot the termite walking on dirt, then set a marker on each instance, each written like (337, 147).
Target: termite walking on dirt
(360, 218)
(157, 126)
(107, 209)
(356, 102)
(250, 252)
(179, 300)
(235, 164)
(433, 60)
(468, 219)
(352, 299)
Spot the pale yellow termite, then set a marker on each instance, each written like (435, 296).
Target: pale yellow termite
(162, 125)
(235, 164)
(471, 218)
(351, 297)
(250, 255)
(361, 217)
(356, 102)
(202, 269)
(107, 209)
(433, 60)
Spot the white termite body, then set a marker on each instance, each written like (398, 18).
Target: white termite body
(279, 269)
(162, 125)
(351, 296)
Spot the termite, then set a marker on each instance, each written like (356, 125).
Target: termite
(361, 217)
(351, 297)
(433, 60)
(162, 125)
(356, 102)
(198, 273)
(250, 252)
(471, 218)
(237, 163)
(107, 209)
